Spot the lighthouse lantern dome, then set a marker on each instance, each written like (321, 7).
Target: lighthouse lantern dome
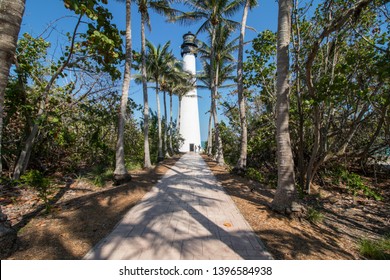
(189, 45)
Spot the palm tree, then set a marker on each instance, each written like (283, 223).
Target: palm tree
(225, 73)
(158, 62)
(222, 67)
(120, 173)
(214, 13)
(241, 164)
(162, 7)
(11, 14)
(285, 192)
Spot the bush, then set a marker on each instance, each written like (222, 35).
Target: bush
(354, 183)
(375, 249)
(254, 175)
(100, 175)
(36, 180)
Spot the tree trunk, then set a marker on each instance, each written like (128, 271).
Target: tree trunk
(210, 132)
(285, 192)
(120, 173)
(165, 127)
(11, 14)
(315, 150)
(160, 155)
(297, 44)
(219, 150)
(147, 163)
(364, 154)
(170, 124)
(241, 164)
(218, 140)
(178, 125)
(212, 79)
(24, 156)
(214, 82)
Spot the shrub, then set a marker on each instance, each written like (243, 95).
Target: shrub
(375, 249)
(36, 180)
(101, 175)
(354, 183)
(254, 174)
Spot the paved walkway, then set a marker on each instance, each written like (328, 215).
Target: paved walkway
(187, 215)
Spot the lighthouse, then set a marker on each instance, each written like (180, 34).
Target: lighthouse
(189, 114)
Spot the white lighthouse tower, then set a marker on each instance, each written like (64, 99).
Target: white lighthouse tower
(189, 114)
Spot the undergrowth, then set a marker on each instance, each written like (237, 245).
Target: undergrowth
(375, 249)
(36, 180)
(100, 175)
(314, 216)
(254, 175)
(353, 182)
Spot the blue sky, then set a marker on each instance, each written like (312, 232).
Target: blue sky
(40, 13)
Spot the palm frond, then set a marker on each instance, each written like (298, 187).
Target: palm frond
(187, 18)
(233, 7)
(205, 26)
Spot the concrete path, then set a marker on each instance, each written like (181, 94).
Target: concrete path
(187, 215)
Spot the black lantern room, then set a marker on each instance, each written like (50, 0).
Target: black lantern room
(189, 44)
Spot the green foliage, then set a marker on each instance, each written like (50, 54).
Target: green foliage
(78, 127)
(101, 175)
(375, 249)
(259, 68)
(36, 180)
(230, 142)
(102, 41)
(131, 165)
(314, 216)
(254, 175)
(354, 183)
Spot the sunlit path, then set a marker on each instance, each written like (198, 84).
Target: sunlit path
(187, 215)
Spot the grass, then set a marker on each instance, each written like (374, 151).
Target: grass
(133, 165)
(98, 176)
(375, 249)
(314, 216)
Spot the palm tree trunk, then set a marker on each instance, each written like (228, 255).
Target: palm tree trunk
(170, 123)
(241, 164)
(178, 125)
(218, 139)
(11, 14)
(213, 79)
(160, 155)
(165, 127)
(120, 172)
(147, 163)
(285, 192)
(210, 133)
(219, 154)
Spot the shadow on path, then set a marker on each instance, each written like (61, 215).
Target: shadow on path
(187, 215)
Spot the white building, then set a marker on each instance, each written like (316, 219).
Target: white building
(189, 113)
